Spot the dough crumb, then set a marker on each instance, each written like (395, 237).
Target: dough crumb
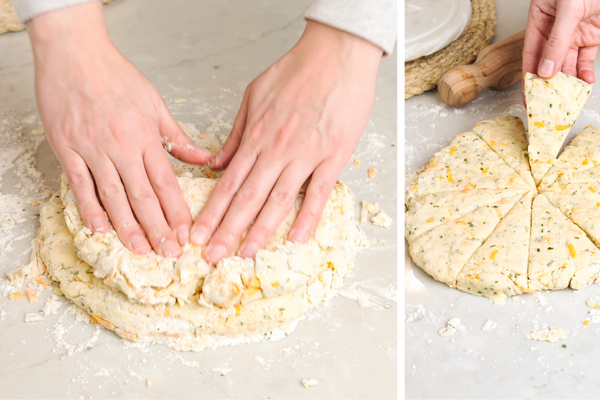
(179, 100)
(551, 334)
(489, 325)
(371, 173)
(451, 327)
(38, 132)
(18, 186)
(149, 383)
(382, 220)
(362, 301)
(357, 163)
(309, 382)
(366, 209)
(33, 317)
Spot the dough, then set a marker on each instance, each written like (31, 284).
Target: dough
(506, 136)
(9, 21)
(186, 303)
(443, 251)
(553, 105)
(498, 269)
(581, 154)
(482, 226)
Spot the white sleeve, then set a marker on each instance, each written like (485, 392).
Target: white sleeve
(372, 20)
(27, 9)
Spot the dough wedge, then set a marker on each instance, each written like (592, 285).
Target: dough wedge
(553, 105)
(560, 254)
(506, 136)
(581, 154)
(443, 251)
(498, 269)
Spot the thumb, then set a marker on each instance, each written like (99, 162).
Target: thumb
(560, 40)
(177, 143)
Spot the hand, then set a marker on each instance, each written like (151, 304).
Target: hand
(301, 118)
(562, 35)
(105, 120)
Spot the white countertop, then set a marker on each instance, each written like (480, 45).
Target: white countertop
(206, 52)
(500, 363)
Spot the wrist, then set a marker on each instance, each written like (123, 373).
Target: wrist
(335, 41)
(72, 29)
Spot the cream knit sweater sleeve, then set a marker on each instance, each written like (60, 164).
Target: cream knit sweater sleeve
(373, 20)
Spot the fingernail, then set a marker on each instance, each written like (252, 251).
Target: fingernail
(199, 236)
(298, 236)
(97, 225)
(139, 244)
(216, 253)
(169, 248)
(216, 159)
(546, 68)
(248, 250)
(183, 235)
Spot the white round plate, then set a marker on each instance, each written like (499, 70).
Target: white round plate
(432, 25)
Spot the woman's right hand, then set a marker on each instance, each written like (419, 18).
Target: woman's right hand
(108, 126)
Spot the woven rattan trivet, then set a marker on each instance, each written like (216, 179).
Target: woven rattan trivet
(423, 73)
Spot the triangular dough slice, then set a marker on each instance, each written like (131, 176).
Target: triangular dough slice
(468, 162)
(427, 212)
(581, 203)
(506, 136)
(553, 105)
(581, 154)
(443, 251)
(560, 254)
(498, 269)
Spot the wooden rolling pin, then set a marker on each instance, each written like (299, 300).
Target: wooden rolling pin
(497, 66)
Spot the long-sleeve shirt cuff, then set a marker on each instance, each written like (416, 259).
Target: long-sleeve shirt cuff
(372, 20)
(27, 9)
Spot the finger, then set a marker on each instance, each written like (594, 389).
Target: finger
(559, 41)
(533, 47)
(84, 190)
(245, 206)
(280, 202)
(585, 63)
(169, 193)
(177, 143)
(113, 196)
(218, 203)
(570, 65)
(222, 158)
(318, 192)
(147, 208)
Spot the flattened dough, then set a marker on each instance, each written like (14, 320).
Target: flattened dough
(581, 154)
(237, 299)
(553, 105)
(581, 203)
(560, 254)
(443, 251)
(467, 163)
(498, 269)
(432, 210)
(506, 136)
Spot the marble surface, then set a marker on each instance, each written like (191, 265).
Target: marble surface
(206, 52)
(499, 363)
